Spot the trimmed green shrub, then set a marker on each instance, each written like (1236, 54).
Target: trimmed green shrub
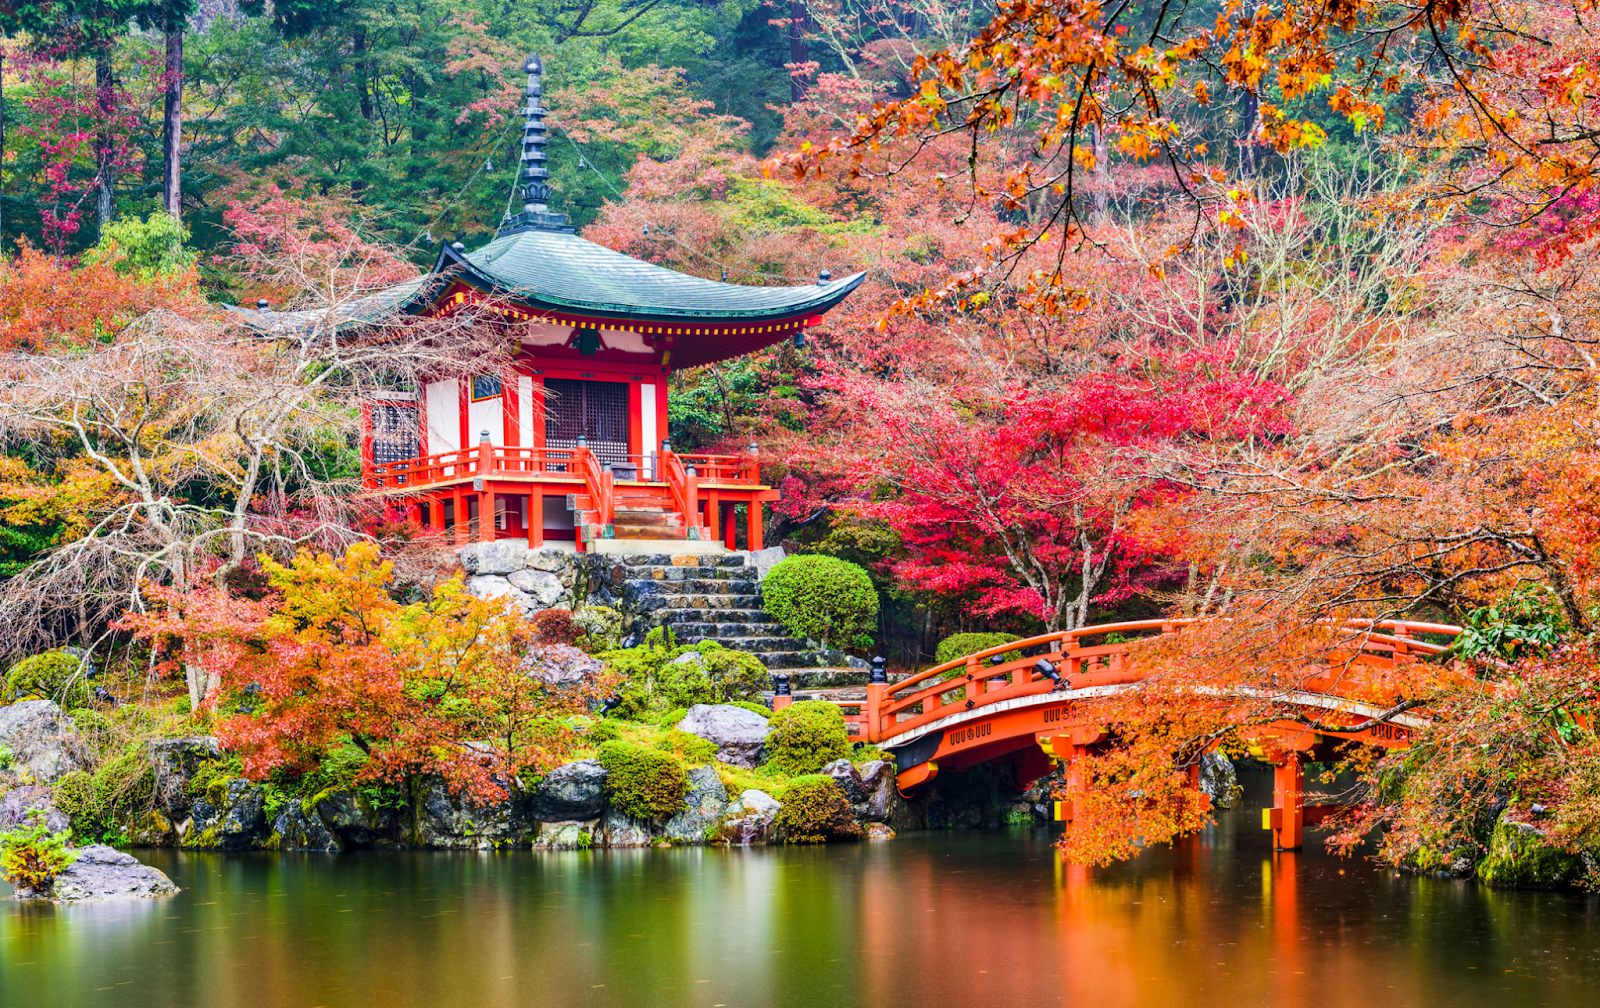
(962, 644)
(761, 709)
(643, 783)
(32, 856)
(670, 719)
(604, 730)
(815, 810)
(806, 736)
(656, 686)
(49, 676)
(690, 748)
(822, 598)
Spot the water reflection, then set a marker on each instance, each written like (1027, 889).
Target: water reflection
(974, 919)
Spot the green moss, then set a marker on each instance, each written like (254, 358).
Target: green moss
(761, 709)
(102, 805)
(1519, 855)
(822, 598)
(49, 676)
(806, 736)
(643, 783)
(655, 686)
(815, 810)
(691, 749)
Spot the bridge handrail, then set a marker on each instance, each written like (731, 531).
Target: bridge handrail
(928, 690)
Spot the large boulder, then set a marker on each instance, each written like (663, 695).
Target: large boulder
(750, 819)
(562, 664)
(493, 586)
(550, 559)
(295, 829)
(870, 788)
(543, 587)
(17, 805)
(620, 830)
(175, 761)
(564, 836)
(504, 556)
(460, 823)
(42, 741)
(1521, 855)
(231, 816)
(101, 873)
(763, 560)
(575, 791)
(704, 807)
(354, 820)
(738, 733)
(1218, 779)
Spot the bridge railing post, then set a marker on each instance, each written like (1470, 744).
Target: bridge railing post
(877, 686)
(782, 694)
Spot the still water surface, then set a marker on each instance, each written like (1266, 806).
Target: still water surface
(966, 919)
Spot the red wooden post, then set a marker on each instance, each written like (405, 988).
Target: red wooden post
(459, 500)
(753, 526)
(436, 513)
(877, 687)
(485, 495)
(730, 532)
(536, 518)
(1287, 816)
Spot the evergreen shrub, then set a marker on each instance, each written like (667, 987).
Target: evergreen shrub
(654, 686)
(815, 810)
(643, 783)
(806, 736)
(962, 644)
(822, 598)
(690, 748)
(101, 804)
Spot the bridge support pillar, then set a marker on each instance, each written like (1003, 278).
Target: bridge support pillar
(1286, 818)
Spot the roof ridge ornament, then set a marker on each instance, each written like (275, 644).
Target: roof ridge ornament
(533, 184)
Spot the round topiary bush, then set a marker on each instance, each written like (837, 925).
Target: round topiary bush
(644, 783)
(804, 737)
(962, 644)
(50, 676)
(815, 810)
(822, 598)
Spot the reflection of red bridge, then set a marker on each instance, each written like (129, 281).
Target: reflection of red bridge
(1032, 711)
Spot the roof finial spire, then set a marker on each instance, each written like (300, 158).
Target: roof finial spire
(533, 183)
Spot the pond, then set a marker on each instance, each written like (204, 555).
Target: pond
(942, 919)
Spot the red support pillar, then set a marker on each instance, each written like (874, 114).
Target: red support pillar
(753, 526)
(460, 503)
(1286, 818)
(436, 513)
(730, 532)
(536, 518)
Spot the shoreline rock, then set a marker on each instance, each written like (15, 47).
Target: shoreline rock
(102, 873)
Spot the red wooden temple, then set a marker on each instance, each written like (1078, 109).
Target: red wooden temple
(570, 442)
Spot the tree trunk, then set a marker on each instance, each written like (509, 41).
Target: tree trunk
(797, 46)
(2, 151)
(1247, 146)
(1102, 175)
(363, 76)
(106, 104)
(172, 124)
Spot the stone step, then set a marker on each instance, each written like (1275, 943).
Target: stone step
(646, 532)
(661, 604)
(710, 631)
(783, 661)
(719, 616)
(678, 574)
(764, 645)
(692, 586)
(665, 560)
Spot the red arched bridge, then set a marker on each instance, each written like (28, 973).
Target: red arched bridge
(1035, 711)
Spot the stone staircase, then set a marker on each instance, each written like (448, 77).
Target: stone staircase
(716, 598)
(637, 517)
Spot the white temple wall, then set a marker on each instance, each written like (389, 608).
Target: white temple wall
(442, 400)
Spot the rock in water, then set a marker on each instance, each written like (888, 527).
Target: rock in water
(878, 781)
(706, 803)
(564, 836)
(101, 873)
(1218, 779)
(1521, 855)
(739, 734)
(849, 780)
(237, 823)
(751, 819)
(459, 823)
(175, 761)
(296, 830)
(572, 792)
(42, 740)
(624, 831)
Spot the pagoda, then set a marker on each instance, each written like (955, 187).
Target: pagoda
(569, 442)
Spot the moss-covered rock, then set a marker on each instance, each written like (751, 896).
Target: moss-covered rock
(814, 810)
(1520, 855)
(804, 737)
(54, 675)
(643, 783)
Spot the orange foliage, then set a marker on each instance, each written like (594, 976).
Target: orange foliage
(46, 304)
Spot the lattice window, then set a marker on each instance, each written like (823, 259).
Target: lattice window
(595, 410)
(394, 432)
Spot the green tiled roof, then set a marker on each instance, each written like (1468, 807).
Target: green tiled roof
(550, 268)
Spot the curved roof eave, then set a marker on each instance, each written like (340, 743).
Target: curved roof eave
(593, 269)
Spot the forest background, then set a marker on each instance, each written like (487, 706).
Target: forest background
(1278, 317)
